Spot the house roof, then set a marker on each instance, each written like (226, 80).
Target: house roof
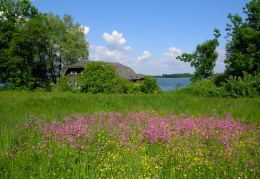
(121, 69)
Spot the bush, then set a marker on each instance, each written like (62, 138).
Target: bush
(218, 78)
(64, 84)
(149, 85)
(206, 88)
(234, 87)
(134, 88)
(247, 86)
(100, 77)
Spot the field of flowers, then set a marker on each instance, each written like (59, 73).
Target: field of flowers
(133, 145)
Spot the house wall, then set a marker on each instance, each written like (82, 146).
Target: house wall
(73, 73)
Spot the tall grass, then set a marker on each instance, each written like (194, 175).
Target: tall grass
(31, 147)
(18, 106)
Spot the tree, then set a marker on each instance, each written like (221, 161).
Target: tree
(204, 58)
(243, 41)
(74, 42)
(36, 48)
(66, 44)
(15, 54)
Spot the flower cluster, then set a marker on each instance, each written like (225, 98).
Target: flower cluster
(137, 145)
(150, 127)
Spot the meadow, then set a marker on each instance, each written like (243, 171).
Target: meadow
(166, 135)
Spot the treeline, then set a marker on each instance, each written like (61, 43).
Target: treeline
(35, 48)
(175, 75)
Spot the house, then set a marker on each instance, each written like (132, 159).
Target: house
(76, 69)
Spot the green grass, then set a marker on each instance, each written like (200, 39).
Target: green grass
(17, 107)
(104, 157)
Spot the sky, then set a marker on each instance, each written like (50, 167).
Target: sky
(148, 35)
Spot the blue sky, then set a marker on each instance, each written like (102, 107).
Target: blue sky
(147, 35)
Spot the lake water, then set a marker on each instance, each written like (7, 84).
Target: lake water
(168, 84)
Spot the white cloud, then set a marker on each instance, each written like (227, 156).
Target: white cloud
(115, 51)
(115, 41)
(173, 52)
(128, 48)
(220, 65)
(86, 29)
(100, 53)
(146, 54)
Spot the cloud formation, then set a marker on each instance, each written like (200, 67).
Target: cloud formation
(115, 41)
(220, 65)
(100, 53)
(117, 51)
(146, 54)
(173, 52)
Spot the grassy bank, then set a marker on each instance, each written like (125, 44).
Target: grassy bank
(167, 135)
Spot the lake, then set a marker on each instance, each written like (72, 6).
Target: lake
(168, 84)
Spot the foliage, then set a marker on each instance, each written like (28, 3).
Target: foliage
(35, 48)
(100, 77)
(234, 87)
(203, 59)
(247, 86)
(149, 85)
(206, 88)
(134, 88)
(218, 78)
(243, 44)
(64, 84)
(66, 44)
(16, 64)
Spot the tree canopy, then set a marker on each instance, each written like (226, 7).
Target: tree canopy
(204, 58)
(35, 48)
(243, 41)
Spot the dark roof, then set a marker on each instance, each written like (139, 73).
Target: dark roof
(122, 70)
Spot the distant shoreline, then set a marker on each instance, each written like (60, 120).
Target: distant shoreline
(172, 77)
(176, 75)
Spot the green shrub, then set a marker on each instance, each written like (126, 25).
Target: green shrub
(234, 87)
(64, 84)
(246, 86)
(206, 88)
(100, 77)
(149, 85)
(218, 78)
(134, 88)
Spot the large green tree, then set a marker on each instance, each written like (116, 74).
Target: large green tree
(15, 60)
(243, 41)
(66, 44)
(35, 48)
(204, 58)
